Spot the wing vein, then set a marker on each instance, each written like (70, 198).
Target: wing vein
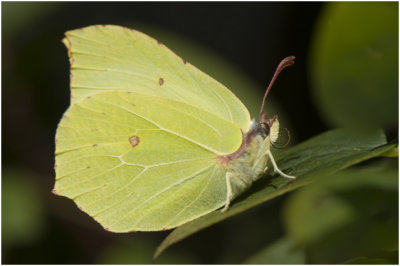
(94, 176)
(164, 129)
(164, 190)
(195, 199)
(196, 118)
(115, 192)
(82, 38)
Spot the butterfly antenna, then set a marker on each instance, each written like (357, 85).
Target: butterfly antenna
(288, 61)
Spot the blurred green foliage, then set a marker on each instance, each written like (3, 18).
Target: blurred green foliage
(281, 251)
(17, 15)
(354, 64)
(350, 216)
(22, 209)
(141, 251)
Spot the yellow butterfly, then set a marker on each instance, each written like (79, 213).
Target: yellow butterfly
(150, 142)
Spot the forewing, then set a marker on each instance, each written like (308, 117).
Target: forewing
(117, 58)
(138, 162)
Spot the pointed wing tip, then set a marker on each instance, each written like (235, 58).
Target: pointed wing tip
(66, 42)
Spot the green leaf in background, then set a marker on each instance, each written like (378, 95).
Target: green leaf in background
(354, 64)
(312, 213)
(390, 257)
(352, 213)
(21, 14)
(138, 250)
(23, 220)
(323, 154)
(282, 251)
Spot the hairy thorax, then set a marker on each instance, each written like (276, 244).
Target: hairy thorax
(249, 163)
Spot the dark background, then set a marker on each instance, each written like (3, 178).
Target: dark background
(254, 37)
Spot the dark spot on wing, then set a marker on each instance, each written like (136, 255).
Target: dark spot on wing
(95, 145)
(161, 81)
(134, 141)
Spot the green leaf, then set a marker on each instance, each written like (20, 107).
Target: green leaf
(23, 220)
(138, 250)
(394, 152)
(354, 64)
(350, 214)
(321, 155)
(18, 15)
(282, 251)
(315, 211)
(364, 260)
(388, 257)
(312, 213)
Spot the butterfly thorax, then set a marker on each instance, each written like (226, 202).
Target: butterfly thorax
(249, 162)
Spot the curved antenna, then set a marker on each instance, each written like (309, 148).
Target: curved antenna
(288, 61)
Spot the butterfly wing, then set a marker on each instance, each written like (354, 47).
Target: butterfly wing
(137, 148)
(108, 58)
(136, 162)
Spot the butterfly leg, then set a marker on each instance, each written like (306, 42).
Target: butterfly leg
(228, 191)
(276, 169)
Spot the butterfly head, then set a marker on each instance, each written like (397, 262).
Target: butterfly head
(265, 126)
(269, 127)
(278, 136)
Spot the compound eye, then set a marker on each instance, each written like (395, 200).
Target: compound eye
(265, 128)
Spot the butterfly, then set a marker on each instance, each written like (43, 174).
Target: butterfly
(150, 142)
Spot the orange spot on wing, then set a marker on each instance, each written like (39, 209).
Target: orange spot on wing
(134, 141)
